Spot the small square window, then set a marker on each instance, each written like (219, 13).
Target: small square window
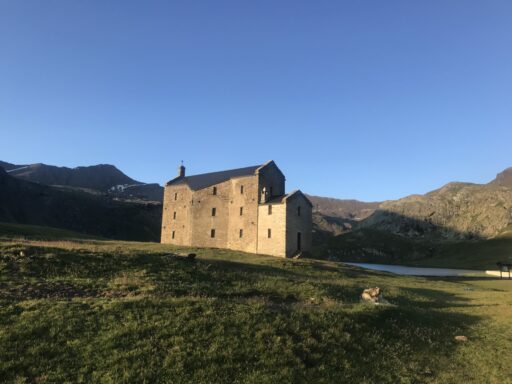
(270, 209)
(241, 233)
(214, 211)
(241, 211)
(269, 233)
(173, 233)
(241, 189)
(212, 233)
(214, 190)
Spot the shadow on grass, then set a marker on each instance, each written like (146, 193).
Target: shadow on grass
(283, 334)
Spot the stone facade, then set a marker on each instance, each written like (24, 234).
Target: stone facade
(243, 209)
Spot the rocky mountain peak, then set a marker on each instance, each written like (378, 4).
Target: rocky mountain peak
(504, 178)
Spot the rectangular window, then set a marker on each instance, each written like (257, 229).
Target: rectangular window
(173, 233)
(241, 189)
(241, 233)
(298, 210)
(241, 211)
(214, 190)
(176, 196)
(214, 211)
(270, 209)
(269, 233)
(212, 233)
(174, 215)
(271, 191)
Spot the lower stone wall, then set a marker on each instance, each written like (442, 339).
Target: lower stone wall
(296, 224)
(176, 215)
(276, 222)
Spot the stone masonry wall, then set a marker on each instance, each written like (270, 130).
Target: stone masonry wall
(271, 178)
(276, 222)
(248, 220)
(176, 215)
(296, 224)
(203, 222)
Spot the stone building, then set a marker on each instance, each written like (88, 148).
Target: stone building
(244, 209)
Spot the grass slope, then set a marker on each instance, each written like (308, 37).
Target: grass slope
(123, 312)
(11, 230)
(375, 246)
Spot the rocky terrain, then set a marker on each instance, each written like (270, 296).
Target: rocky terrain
(455, 211)
(350, 209)
(504, 178)
(460, 221)
(336, 216)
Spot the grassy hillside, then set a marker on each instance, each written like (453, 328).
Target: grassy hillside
(375, 246)
(25, 202)
(10, 230)
(114, 312)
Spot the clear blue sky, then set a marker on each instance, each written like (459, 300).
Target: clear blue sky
(353, 99)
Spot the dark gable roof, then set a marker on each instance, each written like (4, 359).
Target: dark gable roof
(204, 180)
(296, 193)
(282, 199)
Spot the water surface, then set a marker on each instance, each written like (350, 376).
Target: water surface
(420, 271)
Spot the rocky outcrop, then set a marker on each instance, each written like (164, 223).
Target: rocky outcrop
(457, 210)
(504, 178)
(373, 295)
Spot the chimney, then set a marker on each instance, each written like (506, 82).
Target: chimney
(181, 170)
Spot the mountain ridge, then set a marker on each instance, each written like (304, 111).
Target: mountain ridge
(105, 178)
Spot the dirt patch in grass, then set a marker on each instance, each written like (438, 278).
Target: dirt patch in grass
(44, 290)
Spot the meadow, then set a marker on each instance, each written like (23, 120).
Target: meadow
(76, 309)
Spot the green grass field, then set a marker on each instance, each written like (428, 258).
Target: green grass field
(96, 311)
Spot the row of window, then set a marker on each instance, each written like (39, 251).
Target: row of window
(214, 192)
(240, 234)
(214, 211)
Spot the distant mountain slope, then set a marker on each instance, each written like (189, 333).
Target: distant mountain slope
(104, 178)
(25, 202)
(100, 177)
(349, 209)
(459, 224)
(336, 216)
(457, 210)
(151, 192)
(9, 166)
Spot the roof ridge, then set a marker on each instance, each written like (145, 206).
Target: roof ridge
(226, 170)
(204, 180)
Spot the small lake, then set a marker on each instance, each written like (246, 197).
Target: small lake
(420, 271)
